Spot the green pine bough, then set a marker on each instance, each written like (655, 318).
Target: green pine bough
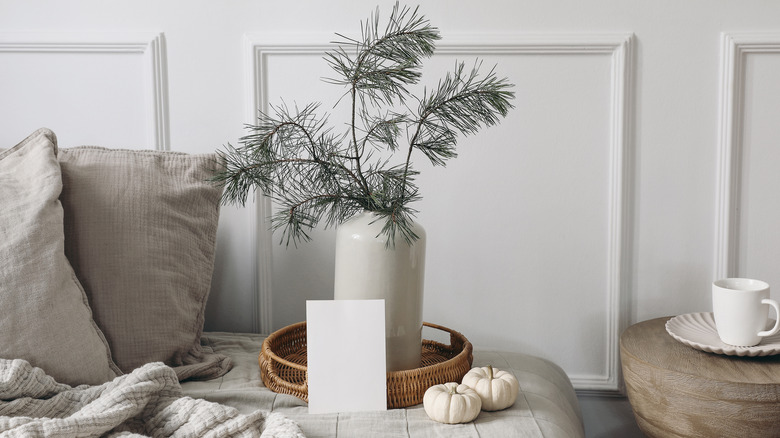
(314, 173)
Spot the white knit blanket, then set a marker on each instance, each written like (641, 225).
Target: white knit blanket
(146, 402)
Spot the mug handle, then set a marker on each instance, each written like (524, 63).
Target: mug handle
(776, 328)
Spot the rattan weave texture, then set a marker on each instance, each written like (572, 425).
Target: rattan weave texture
(282, 362)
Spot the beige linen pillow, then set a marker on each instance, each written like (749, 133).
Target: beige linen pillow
(46, 319)
(140, 231)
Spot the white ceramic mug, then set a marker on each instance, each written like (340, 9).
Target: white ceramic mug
(741, 310)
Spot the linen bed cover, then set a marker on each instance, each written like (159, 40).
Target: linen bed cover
(546, 406)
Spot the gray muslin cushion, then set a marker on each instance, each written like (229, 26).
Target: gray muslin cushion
(140, 231)
(46, 318)
(546, 407)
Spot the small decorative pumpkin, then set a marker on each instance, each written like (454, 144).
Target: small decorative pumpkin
(451, 403)
(497, 389)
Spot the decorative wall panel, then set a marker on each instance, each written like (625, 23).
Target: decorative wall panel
(105, 86)
(279, 68)
(748, 241)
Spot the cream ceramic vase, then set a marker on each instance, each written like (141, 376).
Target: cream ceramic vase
(366, 268)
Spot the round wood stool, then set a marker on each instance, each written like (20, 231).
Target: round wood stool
(678, 391)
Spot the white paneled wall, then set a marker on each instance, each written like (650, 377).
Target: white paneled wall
(748, 205)
(88, 87)
(638, 166)
(580, 81)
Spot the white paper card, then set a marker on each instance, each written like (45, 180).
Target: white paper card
(339, 379)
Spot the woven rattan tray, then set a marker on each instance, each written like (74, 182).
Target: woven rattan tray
(283, 365)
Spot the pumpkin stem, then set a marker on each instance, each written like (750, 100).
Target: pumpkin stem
(453, 390)
(490, 372)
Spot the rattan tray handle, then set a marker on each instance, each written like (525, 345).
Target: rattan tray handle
(274, 358)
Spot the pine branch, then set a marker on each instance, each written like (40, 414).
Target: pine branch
(383, 131)
(460, 104)
(385, 61)
(315, 176)
(467, 103)
(297, 216)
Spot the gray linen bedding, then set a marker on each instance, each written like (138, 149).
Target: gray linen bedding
(546, 407)
(146, 402)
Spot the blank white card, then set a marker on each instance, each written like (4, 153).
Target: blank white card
(345, 349)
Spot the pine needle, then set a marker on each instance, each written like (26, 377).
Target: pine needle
(316, 175)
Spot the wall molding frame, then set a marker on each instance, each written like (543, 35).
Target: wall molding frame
(619, 48)
(734, 49)
(150, 45)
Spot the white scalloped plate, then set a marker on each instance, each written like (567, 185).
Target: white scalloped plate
(698, 330)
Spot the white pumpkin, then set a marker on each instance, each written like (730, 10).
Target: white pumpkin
(497, 389)
(451, 403)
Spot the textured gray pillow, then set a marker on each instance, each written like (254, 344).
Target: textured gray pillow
(140, 231)
(46, 319)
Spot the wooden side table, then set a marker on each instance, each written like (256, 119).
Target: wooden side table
(678, 391)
